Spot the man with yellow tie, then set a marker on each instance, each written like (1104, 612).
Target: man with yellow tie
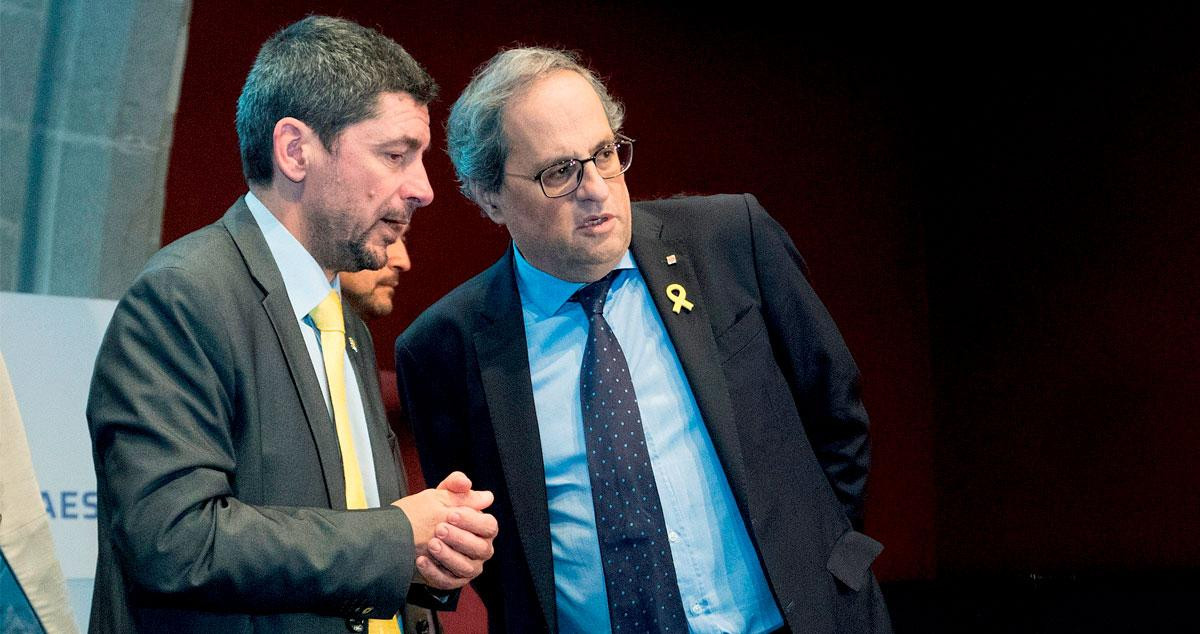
(247, 477)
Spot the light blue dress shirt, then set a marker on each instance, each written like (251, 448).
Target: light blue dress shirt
(720, 580)
(306, 287)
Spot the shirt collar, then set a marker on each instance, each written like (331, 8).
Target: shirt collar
(303, 278)
(545, 293)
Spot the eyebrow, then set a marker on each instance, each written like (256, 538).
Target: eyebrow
(564, 158)
(407, 142)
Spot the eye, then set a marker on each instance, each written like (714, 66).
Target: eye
(559, 173)
(395, 157)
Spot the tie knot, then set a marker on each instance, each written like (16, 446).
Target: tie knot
(328, 314)
(592, 296)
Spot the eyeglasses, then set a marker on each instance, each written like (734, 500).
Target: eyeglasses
(564, 177)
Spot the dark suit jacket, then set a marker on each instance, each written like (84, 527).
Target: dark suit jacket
(221, 497)
(774, 381)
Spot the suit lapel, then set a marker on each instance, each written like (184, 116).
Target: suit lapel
(249, 240)
(362, 359)
(691, 333)
(504, 369)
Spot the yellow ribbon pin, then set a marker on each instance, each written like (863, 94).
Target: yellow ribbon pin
(677, 294)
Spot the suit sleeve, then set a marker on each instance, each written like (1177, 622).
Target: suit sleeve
(161, 414)
(822, 375)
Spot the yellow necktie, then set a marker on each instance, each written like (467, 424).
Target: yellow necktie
(328, 318)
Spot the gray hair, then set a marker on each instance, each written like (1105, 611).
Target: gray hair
(328, 73)
(475, 131)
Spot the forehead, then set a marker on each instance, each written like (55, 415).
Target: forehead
(559, 115)
(398, 118)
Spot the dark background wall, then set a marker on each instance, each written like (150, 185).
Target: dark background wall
(1064, 271)
(1000, 216)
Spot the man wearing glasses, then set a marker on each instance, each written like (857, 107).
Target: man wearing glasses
(666, 412)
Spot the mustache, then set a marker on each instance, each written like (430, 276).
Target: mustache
(388, 277)
(401, 215)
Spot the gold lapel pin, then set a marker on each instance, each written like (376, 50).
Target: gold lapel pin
(678, 296)
(671, 259)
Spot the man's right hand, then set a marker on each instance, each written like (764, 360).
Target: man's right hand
(452, 536)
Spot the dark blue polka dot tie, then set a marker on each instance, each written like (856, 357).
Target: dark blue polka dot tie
(639, 575)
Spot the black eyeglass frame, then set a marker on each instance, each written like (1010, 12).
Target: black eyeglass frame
(619, 139)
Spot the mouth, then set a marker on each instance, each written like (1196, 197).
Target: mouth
(397, 216)
(595, 220)
(395, 227)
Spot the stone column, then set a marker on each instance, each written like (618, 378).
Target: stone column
(88, 93)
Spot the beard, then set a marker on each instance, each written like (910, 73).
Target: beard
(359, 256)
(337, 246)
(371, 303)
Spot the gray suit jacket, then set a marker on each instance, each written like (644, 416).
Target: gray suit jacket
(221, 497)
(777, 388)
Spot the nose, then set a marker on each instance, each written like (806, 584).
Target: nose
(398, 257)
(416, 190)
(593, 186)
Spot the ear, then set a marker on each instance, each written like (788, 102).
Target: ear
(291, 148)
(489, 202)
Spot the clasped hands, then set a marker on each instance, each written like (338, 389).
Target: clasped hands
(453, 537)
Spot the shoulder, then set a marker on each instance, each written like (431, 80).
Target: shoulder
(456, 316)
(706, 221)
(724, 209)
(192, 285)
(218, 253)
(722, 224)
(463, 304)
(174, 321)
(208, 252)
(189, 259)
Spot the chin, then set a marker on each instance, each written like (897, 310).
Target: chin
(366, 259)
(611, 253)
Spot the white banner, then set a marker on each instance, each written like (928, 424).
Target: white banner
(50, 344)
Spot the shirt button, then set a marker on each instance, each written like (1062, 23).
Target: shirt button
(697, 609)
(673, 536)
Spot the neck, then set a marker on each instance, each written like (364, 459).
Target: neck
(284, 204)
